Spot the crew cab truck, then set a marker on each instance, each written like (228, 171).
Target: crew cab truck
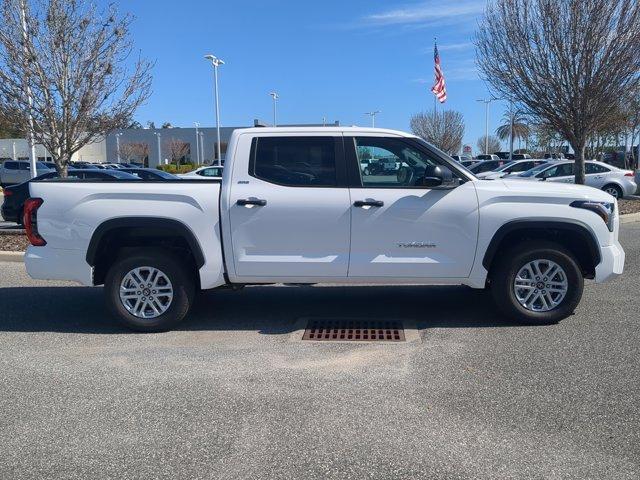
(295, 206)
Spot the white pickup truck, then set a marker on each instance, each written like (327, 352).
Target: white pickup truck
(295, 206)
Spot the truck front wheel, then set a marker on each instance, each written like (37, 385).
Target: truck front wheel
(537, 283)
(149, 290)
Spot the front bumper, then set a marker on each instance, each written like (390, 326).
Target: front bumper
(612, 263)
(46, 263)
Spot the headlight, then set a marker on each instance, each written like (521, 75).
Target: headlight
(604, 210)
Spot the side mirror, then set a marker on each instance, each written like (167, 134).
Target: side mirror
(439, 177)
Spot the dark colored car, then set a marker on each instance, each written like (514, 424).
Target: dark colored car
(150, 174)
(16, 195)
(487, 166)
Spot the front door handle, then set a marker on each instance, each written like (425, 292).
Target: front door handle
(251, 201)
(368, 203)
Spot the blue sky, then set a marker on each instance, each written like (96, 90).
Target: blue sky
(336, 59)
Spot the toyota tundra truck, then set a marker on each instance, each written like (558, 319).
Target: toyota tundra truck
(295, 205)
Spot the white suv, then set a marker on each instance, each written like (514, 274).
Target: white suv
(13, 172)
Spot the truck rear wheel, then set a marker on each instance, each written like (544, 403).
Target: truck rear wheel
(537, 283)
(149, 290)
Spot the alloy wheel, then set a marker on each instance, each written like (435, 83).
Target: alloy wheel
(540, 285)
(146, 292)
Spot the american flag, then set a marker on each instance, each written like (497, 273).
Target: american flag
(439, 88)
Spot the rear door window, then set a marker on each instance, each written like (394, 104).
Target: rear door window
(11, 165)
(591, 168)
(295, 161)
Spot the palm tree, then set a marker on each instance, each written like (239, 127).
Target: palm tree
(521, 130)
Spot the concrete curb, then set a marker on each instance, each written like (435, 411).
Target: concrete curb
(11, 256)
(630, 218)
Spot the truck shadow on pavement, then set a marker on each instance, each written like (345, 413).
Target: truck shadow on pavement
(267, 310)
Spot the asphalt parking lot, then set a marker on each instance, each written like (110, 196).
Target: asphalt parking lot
(231, 395)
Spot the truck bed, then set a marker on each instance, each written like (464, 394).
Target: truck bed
(74, 208)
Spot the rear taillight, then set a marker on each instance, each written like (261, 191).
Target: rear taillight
(30, 221)
(629, 174)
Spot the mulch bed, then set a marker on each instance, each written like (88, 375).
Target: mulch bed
(13, 243)
(629, 205)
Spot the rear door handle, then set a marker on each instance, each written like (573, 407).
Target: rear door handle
(251, 201)
(368, 203)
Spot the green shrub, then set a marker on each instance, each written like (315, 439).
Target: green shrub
(177, 169)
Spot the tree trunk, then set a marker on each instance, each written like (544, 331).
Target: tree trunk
(578, 166)
(62, 167)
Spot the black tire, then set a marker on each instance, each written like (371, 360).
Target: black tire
(181, 278)
(613, 186)
(507, 267)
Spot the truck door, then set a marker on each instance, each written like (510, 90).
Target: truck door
(400, 229)
(289, 209)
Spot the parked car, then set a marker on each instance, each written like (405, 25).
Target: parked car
(486, 166)
(86, 165)
(13, 172)
(500, 155)
(462, 158)
(510, 168)
(150, 174)
(113, 166)
(292, 208)
(204, 172)
(468, 163)
(490, 156)
(520, 156)
(615, 181)
(16, 195)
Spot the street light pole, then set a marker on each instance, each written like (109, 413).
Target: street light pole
(32, 145)
(373, 117)
(486, 123)
(202, 146)
(216, 62)
(275, 97)
(197, 143)
(118, 147)
(158, 137)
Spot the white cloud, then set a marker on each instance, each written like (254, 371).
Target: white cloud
(432, 11)
(454, 47)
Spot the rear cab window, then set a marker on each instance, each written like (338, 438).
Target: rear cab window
(295, 161)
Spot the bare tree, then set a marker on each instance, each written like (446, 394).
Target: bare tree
(442, 129)
(572, 63)
(178, 149)
(494, 144)
(73, 59)
(134, 151)
(8, 127)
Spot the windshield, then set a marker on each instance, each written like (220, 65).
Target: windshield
(505, 167)
(166, 175)
(122, 175)
(533, 171)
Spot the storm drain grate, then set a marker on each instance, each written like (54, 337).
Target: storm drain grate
(354, 330)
